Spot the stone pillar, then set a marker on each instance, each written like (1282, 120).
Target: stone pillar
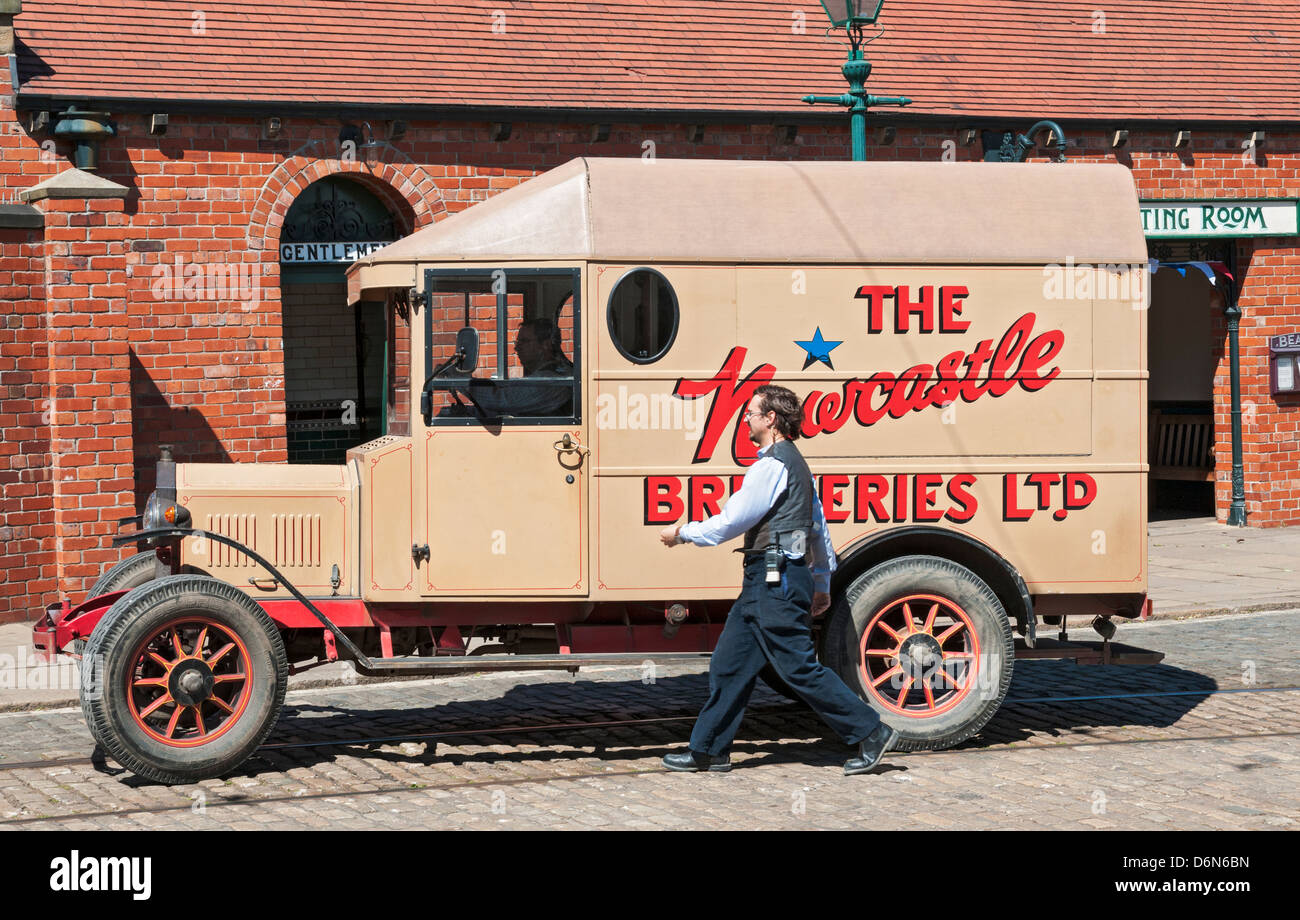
(8, 10)
(90, 377)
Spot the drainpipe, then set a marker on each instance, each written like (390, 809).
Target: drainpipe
(1227, 289)
(8, 10)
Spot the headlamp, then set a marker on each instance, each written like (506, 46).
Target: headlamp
(159, 513)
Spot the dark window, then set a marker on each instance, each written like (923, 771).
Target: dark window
(643, 316)
(526, 321)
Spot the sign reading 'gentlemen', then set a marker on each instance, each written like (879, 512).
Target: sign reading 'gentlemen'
(1220, 217)
(304, 253)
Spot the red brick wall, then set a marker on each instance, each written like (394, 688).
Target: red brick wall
(91, 458)
(206, 367)
(27, 523)
(399, 374)
(27, 568)
(1270, 304)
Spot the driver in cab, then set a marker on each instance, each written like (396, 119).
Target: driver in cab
(538, 347)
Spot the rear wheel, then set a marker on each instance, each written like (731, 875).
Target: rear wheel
(928, 644)
(189, 677)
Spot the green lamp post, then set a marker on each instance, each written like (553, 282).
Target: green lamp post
(852, 15)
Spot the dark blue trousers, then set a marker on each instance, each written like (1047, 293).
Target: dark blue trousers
(771, 622)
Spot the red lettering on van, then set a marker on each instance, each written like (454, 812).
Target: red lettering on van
(730, 397)
(1082, 500)
(949, 307)
(832, 492)
(1077, 491)
(1019, 357)
(663, 499)
(958, 492)
(705, 494)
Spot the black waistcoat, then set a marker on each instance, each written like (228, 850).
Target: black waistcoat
(793, 509)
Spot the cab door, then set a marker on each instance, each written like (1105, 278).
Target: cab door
(504, 444)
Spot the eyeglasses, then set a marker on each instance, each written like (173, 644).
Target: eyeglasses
(748, 412)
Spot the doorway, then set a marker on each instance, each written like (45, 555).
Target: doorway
(1180, 392)
(335, 355)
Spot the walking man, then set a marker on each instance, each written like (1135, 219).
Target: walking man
(788, 563)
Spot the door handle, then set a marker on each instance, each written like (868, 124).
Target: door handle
(566, 445)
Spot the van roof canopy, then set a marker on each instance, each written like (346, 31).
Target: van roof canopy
(657, 211)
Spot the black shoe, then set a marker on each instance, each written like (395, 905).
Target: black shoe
(691, 762)
(872, 748)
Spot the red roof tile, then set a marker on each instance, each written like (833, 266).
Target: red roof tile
(1176, 59)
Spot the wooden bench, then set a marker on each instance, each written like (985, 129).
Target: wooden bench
(1182, 446)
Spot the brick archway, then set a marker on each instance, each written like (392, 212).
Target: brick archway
(404, 186)
(409, 193)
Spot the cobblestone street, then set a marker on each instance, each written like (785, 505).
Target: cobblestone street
(1203, 754)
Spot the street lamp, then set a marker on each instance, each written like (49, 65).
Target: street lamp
(852, 15)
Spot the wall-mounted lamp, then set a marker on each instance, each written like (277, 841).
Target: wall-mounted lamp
(158, 123)
(599, 133)
(85, 129)
(368, 143)
(1009, 147)
(500, 131)
(1183, 139)
(1119, 139)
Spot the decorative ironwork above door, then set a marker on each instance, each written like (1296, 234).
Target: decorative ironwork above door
(338, 210)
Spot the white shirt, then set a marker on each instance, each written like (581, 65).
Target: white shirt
(764, 483)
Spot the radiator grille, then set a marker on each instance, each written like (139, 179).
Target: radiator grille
(297, 540)
(240, 527)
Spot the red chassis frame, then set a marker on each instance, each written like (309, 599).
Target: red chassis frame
(63, 624)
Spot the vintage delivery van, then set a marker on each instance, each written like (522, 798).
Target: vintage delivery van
(969, 343)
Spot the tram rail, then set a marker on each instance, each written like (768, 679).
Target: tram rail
(791, 708)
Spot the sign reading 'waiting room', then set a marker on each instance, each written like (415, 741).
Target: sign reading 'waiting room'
(1220, 217)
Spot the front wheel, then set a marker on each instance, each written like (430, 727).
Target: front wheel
(131, 572)
(187, 676)
(928, 644)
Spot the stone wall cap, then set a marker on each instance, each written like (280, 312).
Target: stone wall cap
(74, 183)
(19, 215)
(11, 7)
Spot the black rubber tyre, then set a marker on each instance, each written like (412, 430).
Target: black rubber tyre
(125, 575)
(208, 648)
(131, 572)
(935, 691)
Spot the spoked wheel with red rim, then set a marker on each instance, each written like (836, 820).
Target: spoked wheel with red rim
(190, 682)
(927, 643)
(919, 655)
(183, 678)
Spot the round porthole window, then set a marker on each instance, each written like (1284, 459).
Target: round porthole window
(643, 316)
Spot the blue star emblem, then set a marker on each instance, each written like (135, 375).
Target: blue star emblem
(818, 349)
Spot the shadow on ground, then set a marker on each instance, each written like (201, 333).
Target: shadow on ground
(774, 729)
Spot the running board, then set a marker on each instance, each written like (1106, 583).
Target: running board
(1090, 652)
(519, 662)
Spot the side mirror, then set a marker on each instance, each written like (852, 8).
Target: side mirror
(467, 348)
